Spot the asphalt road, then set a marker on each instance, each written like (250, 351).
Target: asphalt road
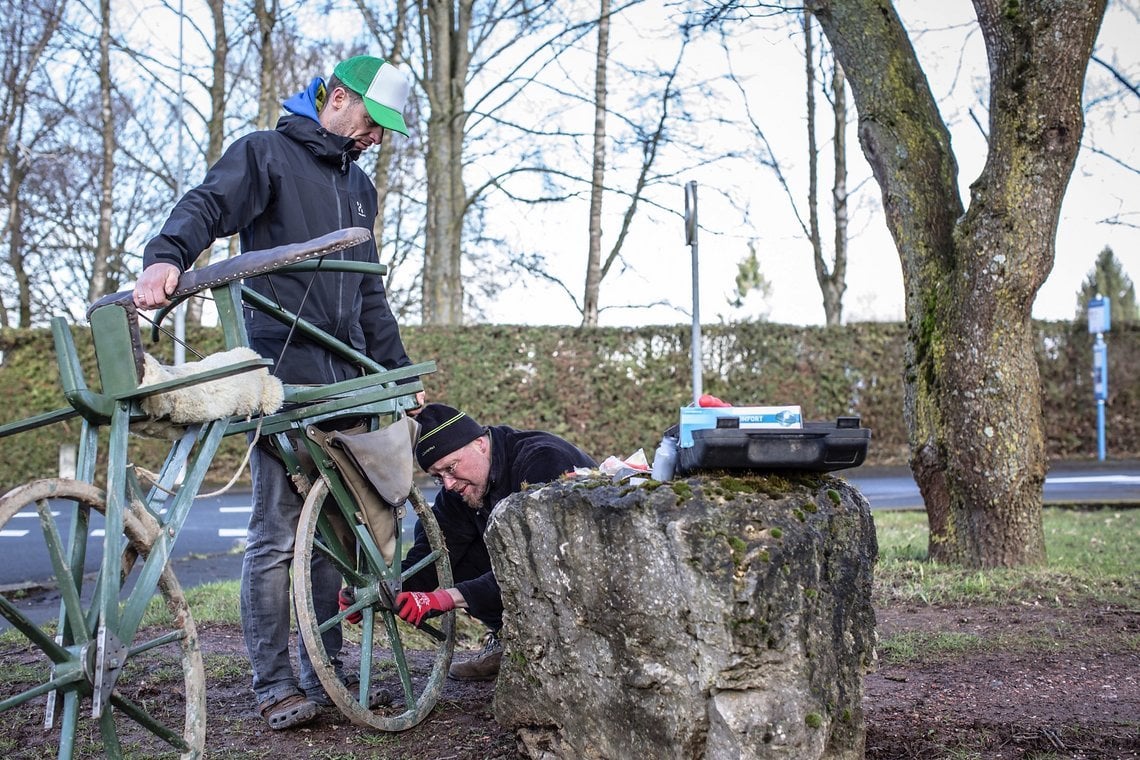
(209, 546)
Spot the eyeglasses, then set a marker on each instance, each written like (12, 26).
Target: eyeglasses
(447, 472)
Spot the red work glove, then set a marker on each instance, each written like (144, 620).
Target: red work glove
(345, 599)
(415, 605)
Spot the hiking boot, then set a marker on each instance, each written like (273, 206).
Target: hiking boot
(483, 666)
(293, 710)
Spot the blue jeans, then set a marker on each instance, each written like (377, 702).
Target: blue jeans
(266, 602)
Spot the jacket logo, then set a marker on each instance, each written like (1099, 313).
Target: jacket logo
(360, 209)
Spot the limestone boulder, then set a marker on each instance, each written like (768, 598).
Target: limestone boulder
(712, 617)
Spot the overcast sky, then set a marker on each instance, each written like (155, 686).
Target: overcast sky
(951, 50)
(767, 59)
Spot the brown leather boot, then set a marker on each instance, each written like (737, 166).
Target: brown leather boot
(293, 710)
(483, 666)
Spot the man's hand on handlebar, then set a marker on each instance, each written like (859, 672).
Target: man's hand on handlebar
(156, 283)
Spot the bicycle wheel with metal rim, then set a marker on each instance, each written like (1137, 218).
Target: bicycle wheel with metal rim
(107, 693)
(394, 672)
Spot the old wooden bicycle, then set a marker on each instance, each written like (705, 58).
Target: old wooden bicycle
(102, 671)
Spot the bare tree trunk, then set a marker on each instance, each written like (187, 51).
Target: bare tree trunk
(650, 142)
(395, 39)
(14, 220)
(597, 178)
(833, 282)
(15, 226)
(813, 160)
(215, 126)
(24, 48)
(836, 284)
(387, 152)
(447, 58)
(100, 267)
(266, 16)
(972, 393)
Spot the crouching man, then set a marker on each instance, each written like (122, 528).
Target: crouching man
(476, 467)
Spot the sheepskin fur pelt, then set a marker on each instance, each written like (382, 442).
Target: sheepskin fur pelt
(241, 395)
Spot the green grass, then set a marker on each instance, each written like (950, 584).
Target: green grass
(221, 667)
(908, 645)
(377, 739)
(1092, 558)
(26, 672)
(216, 602)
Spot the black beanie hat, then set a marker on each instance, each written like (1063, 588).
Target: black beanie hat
(443, 429)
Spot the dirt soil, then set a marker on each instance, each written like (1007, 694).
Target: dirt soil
(1040, 683)
(1033, 683)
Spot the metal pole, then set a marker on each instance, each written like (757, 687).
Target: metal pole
(691, 241)
(1100, 322)
(1100, 429)
(1100, 389)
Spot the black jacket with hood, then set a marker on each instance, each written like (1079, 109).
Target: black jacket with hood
(289, 185)
(517, 457)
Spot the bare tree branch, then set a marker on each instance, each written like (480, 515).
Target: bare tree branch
(1117, 75)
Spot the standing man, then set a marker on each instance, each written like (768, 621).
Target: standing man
(476, 468)
(274, 187)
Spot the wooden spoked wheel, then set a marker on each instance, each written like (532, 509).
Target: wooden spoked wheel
(95, 684)
(383, 655)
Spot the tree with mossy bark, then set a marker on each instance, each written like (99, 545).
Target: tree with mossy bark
(972, 396)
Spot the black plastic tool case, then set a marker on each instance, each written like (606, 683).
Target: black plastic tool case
(818, 446)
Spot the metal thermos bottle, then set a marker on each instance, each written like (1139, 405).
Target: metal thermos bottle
(665, 460)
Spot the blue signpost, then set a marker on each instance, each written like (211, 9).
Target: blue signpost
(1100, 322)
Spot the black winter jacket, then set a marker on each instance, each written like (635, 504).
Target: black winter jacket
(290, 185)
(517, 457)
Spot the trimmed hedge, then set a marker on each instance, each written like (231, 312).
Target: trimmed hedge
(614, 390)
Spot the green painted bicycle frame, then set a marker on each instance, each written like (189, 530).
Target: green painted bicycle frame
(103, 638)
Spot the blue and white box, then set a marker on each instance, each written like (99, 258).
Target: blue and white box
(737, 417)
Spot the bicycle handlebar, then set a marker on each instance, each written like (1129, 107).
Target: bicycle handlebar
(250, 264)
(254, 263)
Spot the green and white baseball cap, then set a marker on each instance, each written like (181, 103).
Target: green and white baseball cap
(383, 85)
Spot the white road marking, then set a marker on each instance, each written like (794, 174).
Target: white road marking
(235, 509)
(231, 532)
(13, 533)
(1095, 479)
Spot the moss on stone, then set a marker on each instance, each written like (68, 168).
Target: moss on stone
(736, 485)
(683, 490)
